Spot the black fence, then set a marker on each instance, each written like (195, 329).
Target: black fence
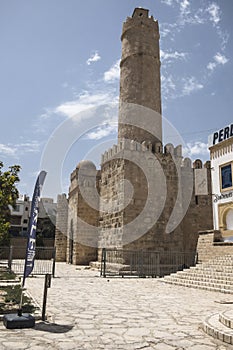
(14, 258)
(116, 262)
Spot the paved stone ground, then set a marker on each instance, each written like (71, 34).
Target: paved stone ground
(89, 312)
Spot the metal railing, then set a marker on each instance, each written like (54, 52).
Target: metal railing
(141, 263)
(4, 256)
(14, 258)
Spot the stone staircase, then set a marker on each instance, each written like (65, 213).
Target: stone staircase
(220, 326)
(214, 275)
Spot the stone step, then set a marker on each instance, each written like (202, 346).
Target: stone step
(210, 282)
(214, 288)
(223, 257)
(214, 275)
(213, 327)
(204, 278)
(207, 268)
(219, 268)
(198, 281)
(210, 274)
(226, 318)
(220, 265)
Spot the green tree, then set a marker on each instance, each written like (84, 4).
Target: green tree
(8, 196)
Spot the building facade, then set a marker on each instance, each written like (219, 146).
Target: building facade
(20, 217)
(221, 155)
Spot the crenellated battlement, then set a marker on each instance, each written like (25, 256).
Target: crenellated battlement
(116, 151)
(139, 16)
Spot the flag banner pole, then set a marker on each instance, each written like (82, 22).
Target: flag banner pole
(31, 242)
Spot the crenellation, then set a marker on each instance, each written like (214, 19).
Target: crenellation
(207, 164)
(197, 164)
(187, 163)
(158, 147)
(178, 151)
(169, 148)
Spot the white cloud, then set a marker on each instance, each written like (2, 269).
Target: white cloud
(224, 37)
(214, 12)
(172, 55)
(28, 147)
(196, 149)
(168, 87)
(7, 150)
(94, 58)
(174, 87)
(191, 85)
(164, 31)
(16, 150)
(205, 13)
(102, 131)
(84, 101)
(184, 7)
(168, 2)
(219, 59)
(113, 73)
(211, 66)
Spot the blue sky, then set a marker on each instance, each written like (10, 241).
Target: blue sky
(60, 57)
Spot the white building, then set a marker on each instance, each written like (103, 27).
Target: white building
(221, 155)
(20, 214)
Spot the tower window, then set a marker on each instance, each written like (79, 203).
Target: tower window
(140, 14)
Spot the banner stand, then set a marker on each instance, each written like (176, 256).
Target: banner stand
(21, 303)
(20, 319)
(47, 284)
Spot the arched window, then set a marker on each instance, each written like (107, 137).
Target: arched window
(229, 220)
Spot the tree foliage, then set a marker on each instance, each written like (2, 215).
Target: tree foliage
(8, 196)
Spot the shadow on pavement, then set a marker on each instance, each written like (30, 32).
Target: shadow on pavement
(52, 327)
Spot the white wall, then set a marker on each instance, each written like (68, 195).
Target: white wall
(224, 155)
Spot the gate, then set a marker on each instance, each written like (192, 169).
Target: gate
(119, 262)
(14, 258)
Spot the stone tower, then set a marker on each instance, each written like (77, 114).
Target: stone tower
(162, 197)
(146, 196)
(140, 77)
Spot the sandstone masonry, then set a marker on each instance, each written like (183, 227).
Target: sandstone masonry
(146, 196)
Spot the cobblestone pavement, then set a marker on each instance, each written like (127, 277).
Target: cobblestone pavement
(89, 312)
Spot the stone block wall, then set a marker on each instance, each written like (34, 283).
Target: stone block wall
(111, 204)
(61, 227)
(210, 246)
(119, 165)
(83, 215)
